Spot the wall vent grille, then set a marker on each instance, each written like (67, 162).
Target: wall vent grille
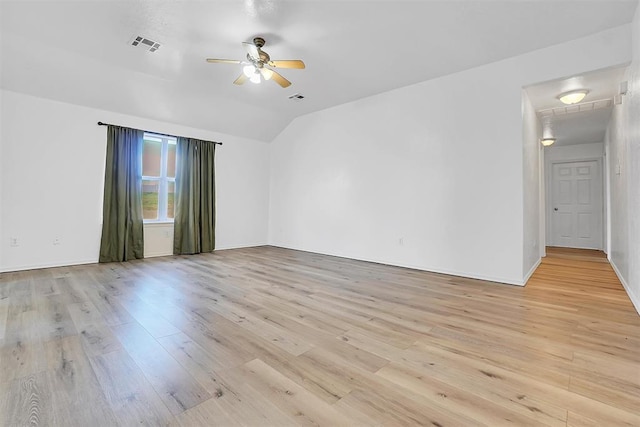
(296, 97)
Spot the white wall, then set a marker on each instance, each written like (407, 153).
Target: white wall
(531, 133)
(158, 239)
(437, 166)
(52, 175)
(2, 238)
(623, 156)
(633, 166)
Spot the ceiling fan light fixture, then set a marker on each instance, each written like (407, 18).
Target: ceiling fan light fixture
(573, 97)
(255, 78)
(253, 68)
(547, 141)
(266, 73)
(249, 70)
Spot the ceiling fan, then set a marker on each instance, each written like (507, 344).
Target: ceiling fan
(255, 67)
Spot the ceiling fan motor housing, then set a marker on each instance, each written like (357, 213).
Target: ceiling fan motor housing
(264, 59)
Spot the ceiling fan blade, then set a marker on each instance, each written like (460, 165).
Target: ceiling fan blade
(252, 50)
(223, 61)
(242, 78)
(279, 79)
(288, 63)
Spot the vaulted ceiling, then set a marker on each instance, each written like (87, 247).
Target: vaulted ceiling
(79, 52)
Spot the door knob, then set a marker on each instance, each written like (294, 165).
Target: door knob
(555, 209)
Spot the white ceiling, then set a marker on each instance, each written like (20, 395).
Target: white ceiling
(579, 127)
(78, 51)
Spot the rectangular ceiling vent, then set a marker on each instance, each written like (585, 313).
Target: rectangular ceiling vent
(296, 97)
(150, 45)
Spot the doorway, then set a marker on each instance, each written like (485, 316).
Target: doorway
(575, 204)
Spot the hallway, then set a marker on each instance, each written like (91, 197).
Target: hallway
(590, 311)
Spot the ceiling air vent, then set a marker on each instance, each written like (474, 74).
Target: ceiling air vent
(296, 97)
(150, 45)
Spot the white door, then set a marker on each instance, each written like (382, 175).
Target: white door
(576, 205)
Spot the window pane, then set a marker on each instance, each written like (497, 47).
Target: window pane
(171, 161)
(171, 188)
(150, 199)
(151, 153)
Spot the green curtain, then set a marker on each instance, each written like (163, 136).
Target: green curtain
(195, 209)
(122, 232)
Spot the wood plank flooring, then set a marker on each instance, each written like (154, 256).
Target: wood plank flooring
(273, 337)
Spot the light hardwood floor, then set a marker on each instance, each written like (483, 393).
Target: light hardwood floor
(268, 336)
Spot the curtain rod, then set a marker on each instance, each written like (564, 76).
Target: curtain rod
(157, 133)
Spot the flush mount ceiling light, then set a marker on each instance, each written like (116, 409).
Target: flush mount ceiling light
(573, 97)
(547, 141)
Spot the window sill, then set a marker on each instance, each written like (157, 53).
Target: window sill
(157, 223)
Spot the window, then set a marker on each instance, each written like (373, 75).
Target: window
(158, 177)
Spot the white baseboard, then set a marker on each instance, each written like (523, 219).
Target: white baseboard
(95, 261)
(530, 273)
(248, 245)
(635, 299)
(396, 264)
(224, 248)
(157, 254)
(430, 269)
(48, 265)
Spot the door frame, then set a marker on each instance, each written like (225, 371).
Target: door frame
(549, 163)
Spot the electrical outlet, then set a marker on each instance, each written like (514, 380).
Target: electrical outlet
(166, 234)
(13, 242)
(56, 240)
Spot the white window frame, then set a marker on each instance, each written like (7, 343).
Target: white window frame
(163, 179)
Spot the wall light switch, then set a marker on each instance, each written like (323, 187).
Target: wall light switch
(13, 242)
